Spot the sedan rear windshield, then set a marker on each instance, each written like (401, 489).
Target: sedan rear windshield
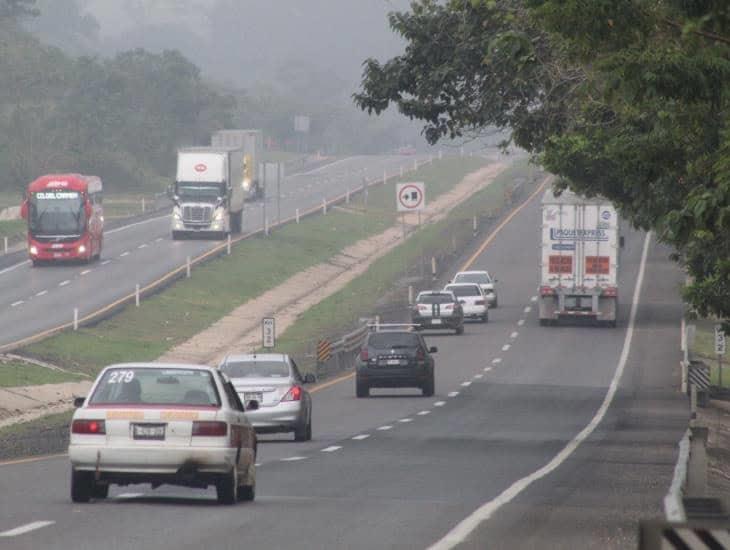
(248, 369)
(385, 340)
(138, 386)
(479, 278)
(435, 299)
(466, 290)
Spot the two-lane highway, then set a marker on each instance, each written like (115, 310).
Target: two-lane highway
(36, 299)
(402, 471)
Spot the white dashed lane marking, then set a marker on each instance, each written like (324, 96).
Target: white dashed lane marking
(423, 413)
(85, 272)
(106, 262)
(331, 449)
(384, 428)
(453, 393)
(477, 376)
(496, 361)
(42, 293)
(466, 384)
(487, 369)
(520, 322)
(64, 283)
(27, 528)
(505, 347)
(15, 304)
(130, 495)
(514, 335)
(293, 458)
(406, 420)
(361, 437)
(143, 245)
(158, 239)
(439, 403)
(528, 309)
(124, 254)
(533, 299)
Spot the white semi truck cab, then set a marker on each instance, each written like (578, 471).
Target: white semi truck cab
(580, 259)
(208, 193)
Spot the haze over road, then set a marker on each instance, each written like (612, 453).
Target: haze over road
(399, 470)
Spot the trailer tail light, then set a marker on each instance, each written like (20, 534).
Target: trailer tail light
(610, 291)
(448, 307)
(364, 356)
(209, 428)
(294, 394)
(547, 291)
(88, 427)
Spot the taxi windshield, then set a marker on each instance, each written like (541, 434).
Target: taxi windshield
(152, 386)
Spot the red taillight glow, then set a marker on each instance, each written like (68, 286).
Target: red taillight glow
(546, 291)
(448, 307)
(421, 307)
(364, 356)
(210, 428)
(88, 427)
(294, 394)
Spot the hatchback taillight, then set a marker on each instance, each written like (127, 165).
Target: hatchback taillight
(364, 354)
(88, 427)
(448, 307)
(420, 355)
(294, 394)
(210, 428)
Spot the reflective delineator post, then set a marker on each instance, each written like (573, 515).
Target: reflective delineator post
(297, 215)
(136, 295)
(474, 225)
(187, 267)
(415, 164)
(5, 244)
(441, 154)
(143, 205)
(324, 206)
(347, 196)
(410, 295)
(401, 171)
(385, 177)
(76, 318)
(433, 267)
(228, 245)
(266, 226)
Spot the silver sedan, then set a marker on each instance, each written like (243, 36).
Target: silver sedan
(274, 381)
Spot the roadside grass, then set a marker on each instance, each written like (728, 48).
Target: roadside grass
(333, 314)
(9, 198)
(219, 286)
(45, 435)
(14, 230)
(704, 349)
(16, 373)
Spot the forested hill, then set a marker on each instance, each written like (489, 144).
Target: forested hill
(121, 118)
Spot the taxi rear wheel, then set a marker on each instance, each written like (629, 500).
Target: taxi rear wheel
(247, 492)
(82, 486)
(226, 487)
(100, 491)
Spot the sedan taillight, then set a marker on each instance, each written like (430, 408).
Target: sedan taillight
(364, 354)
(294, 394)
(210, 428)
(88, 427)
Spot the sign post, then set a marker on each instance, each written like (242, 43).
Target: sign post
(410, 197)
(720, 350)
(268, 332)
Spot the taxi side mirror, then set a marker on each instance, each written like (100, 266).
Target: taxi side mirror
(252, 405)
(24, 209)
(79, 402)
(433, 349)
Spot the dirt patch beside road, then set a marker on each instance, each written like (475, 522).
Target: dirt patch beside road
(240, 331)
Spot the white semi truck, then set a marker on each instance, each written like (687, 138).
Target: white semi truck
(208, 193)
(252, 144)
(580, 259)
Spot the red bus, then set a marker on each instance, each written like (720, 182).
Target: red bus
(65, 218)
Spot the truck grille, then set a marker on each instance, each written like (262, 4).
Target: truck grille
(197, 214)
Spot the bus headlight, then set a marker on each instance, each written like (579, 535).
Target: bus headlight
(82, 249)
(33, 250)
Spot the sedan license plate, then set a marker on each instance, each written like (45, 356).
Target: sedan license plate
(435, 321)
(393, 362)
(148, 431)
(253, 396)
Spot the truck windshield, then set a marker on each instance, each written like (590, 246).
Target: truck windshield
(199, 191)
(56, 213)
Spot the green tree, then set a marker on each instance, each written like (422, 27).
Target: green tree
(12, 9)
(623, 98)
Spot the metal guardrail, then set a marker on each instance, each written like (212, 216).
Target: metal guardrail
(343, 352)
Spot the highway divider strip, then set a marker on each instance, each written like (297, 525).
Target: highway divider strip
(214, 252)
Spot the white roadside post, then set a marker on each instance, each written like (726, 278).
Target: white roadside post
(415, 164)
(187, 267)
(324, 206)
(266, 226)
(347, 196)
(76, 318)
(297, 215)
(228, 245)
(410, 295)
(136, 295)
(720, 350)
(474, 225)
(5, 244)
(143, 205)
(433, 267)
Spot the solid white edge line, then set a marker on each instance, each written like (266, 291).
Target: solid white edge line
(26, 528)
(465, 527)
(13, 267)
(129, 495)
(673, 506)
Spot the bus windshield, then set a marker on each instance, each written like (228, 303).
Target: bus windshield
(56, 213)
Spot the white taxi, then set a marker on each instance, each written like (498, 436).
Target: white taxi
(161, 424)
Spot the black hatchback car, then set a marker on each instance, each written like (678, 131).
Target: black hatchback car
(395, 359)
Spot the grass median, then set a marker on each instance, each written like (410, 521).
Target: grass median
(17, 373)
(219, 286)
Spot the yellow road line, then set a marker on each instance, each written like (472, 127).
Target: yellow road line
(319, 387)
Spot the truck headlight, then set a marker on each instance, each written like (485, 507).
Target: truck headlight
(218, 215)
(33, 250)
(176, 214)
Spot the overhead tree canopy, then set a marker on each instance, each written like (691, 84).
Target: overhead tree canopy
(624, 98)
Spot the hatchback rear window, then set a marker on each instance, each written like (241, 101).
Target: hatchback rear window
(385, 340)
(435, 299)
(465, 290)
(480, 278)
(249, 369)
(138, 386)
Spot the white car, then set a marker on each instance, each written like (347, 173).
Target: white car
(484, 280)
(472, 300)
(161, 424)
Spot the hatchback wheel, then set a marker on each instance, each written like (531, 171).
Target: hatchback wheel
(428, 389)
(361, 389)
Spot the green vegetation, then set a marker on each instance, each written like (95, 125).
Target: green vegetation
(626, 99)
(704, 349)
(15, 373)
(356, 299)
(221, 285)
(46, 435)
(14, 230)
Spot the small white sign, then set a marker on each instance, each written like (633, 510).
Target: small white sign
(719, 340)
(268, 329)
(410, 197)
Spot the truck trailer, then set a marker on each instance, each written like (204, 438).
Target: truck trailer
(208, 193)
(580, 259)
(252, 143)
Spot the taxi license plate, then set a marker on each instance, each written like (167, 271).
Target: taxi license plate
(148, 431)
(435, 321)
(253, 396)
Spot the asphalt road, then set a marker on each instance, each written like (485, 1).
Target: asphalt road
(402, 471)
(36, 299)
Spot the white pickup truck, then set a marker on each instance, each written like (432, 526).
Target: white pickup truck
(580, 259)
